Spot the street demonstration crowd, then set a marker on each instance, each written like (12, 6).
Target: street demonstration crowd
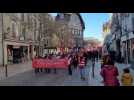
(109, 71)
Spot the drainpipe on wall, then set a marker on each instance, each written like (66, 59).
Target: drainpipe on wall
(2, 39)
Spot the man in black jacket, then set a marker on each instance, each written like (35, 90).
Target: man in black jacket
(86, 56)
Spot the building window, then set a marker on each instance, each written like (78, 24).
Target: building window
(62, 16)
(132, 49)
(74, 31)
(79, 32)
(24, 32)
(22, 16)
(133, 23)
(14, 29)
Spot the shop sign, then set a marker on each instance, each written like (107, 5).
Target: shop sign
(21, 38)
(16, 46)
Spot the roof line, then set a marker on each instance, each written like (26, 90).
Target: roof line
(83, 24)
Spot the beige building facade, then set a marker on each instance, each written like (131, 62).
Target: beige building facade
(21, 37)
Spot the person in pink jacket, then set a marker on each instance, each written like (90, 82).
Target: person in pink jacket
(110, 73)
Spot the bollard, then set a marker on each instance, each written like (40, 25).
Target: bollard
(6, 73)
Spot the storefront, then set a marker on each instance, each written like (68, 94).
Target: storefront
(123, 50)
(132, 50)
(34, 50)
(10, 54)
(15, 52)
(126, 50)
(50, 50)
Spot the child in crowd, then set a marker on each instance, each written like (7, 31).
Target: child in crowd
(127, 78)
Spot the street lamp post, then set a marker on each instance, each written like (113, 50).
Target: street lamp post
(2, 39)
(4, 65)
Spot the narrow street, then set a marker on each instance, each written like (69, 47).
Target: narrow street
(15, 69)
(29, 78)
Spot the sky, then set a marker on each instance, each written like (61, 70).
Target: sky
(93, 24)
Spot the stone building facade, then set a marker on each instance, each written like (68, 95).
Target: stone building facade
(127, 38)
(106, 28)
(122, 30)
(76, 26)
(1, 44)
(21, 39)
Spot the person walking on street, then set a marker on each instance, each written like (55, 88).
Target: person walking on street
(82, 67)
(54, 58)
(69, 65)
(126, 78)
(93, 66)
(109, 73)
(75, 61)
(85, 55)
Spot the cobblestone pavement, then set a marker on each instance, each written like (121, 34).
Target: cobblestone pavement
(15, 69)
(97, 80)
(24, 76)
(29, 78)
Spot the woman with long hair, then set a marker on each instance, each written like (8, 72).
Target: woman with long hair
(110, 73)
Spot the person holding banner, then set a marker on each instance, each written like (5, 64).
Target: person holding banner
(47, 69)
(34, 63)
(50, 58)
(54, 57)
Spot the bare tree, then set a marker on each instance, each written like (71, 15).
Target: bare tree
(58, 33)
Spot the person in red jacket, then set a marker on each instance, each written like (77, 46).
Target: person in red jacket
(82, 67)
(110, 73)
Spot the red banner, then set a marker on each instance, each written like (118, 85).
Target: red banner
(46, 63)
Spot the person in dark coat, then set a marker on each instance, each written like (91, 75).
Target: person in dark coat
(86, 57)
(69, 65)
(75, 61)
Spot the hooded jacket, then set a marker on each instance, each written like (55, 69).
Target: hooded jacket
(127, 79)
(109, 74)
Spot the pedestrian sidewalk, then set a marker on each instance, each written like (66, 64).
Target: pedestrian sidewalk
(97, 80)
(15, 69)
(75, 79)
